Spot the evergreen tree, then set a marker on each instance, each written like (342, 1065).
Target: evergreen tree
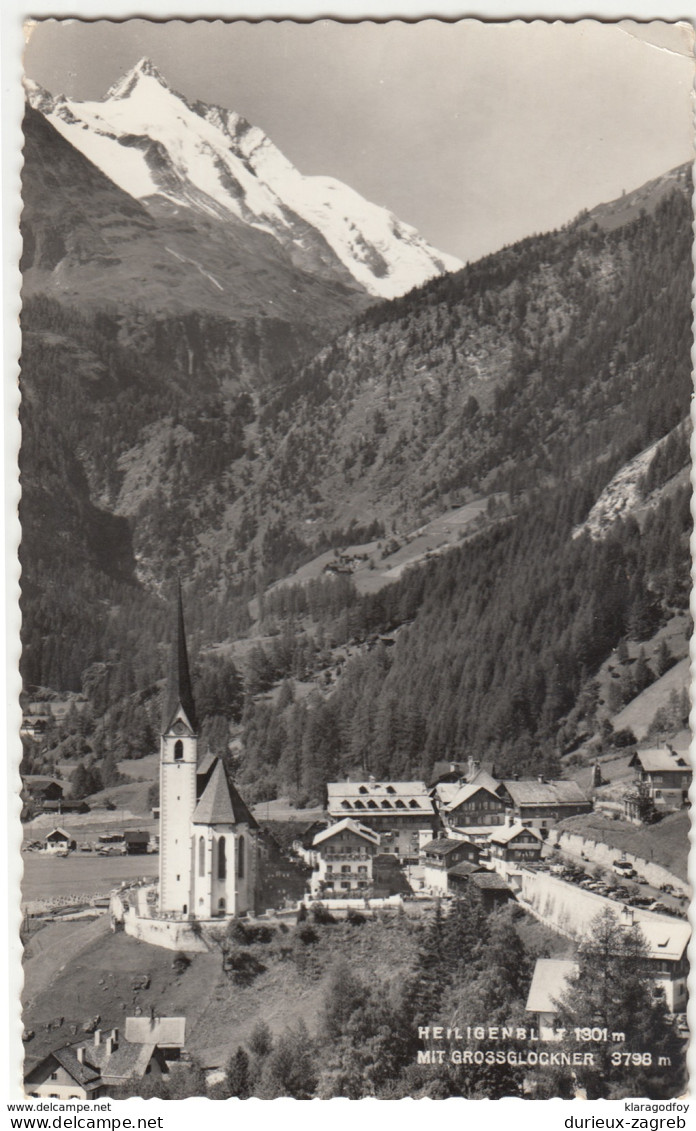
(237, 1074)
(613, 990)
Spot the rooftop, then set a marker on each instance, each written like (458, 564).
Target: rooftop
(220, 803)
(471, 789)
(659, 758)
(667, 937)
(125, 1061)
(347, 825)
(87, 1075)
(370, 797)
(443, 847)
(535, 792)
(489, 881)
(549, 983)
(466, 869)
(506, 833)
(167, 1032)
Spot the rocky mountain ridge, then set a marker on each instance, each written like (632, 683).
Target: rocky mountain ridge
(178, 156)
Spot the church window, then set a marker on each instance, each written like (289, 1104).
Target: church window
(222, 859)
(240, 858)
(178, 750)
(201, 856)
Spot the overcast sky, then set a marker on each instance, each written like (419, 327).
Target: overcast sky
(478, 134)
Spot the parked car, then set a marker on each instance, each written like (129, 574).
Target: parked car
(623, 868)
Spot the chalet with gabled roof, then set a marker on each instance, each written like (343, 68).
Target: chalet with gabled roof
(541, 804)
(667, 775)
(475, 805)
(515, 844)
(344, 855)
(442, 854)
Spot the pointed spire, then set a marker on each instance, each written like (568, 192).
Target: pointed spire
(179, 692)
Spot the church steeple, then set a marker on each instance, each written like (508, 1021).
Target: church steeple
(179, 692)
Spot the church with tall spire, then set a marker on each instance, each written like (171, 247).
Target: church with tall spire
(208, 837)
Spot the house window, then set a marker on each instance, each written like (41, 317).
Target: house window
(240, 858)
(222, 859)
(178, 750)
(201, 856)
(54, 1076)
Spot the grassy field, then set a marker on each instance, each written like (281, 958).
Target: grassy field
(47, 878)
(666, 843)
(72, 977)
(639, 713)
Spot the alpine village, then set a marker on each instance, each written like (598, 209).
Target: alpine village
(355, 623)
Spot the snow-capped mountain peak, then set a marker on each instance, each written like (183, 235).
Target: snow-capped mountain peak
(159, 147)
(124, 86)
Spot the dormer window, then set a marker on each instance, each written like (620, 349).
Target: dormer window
(386, 804)
(390, 789)
(399, 803)
(363, 789)
(345, 804)
(372, 804)
(414, 804)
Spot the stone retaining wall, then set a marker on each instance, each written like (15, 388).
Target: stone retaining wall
(604, 854)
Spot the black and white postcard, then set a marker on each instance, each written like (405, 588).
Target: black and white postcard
(355, 514)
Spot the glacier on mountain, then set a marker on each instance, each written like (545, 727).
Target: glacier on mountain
(155, 144)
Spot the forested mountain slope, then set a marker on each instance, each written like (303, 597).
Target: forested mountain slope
(522, 369)
(170, 442)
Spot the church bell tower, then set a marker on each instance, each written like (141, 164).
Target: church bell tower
(178, 765)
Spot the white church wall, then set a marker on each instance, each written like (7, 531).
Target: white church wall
(177, 802)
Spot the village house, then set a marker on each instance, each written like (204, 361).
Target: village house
(667, 939)
(33, 726)
(514, 844)
(345, 853)
(401, 812)
(490, 887)
(667, 775)
(40, 788)
(58, 841)
(475, 805)
(541, 804)
(137, 842)
(439, 856)
(458, 876)
(666, 963)
(88, 1072)
(167, 1033)
(549, 983)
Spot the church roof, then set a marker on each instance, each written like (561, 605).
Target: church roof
(179, 692)
(220, 803)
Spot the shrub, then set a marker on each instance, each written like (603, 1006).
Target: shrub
(181, 962)
(321, 914)
(306, 934)
(242, 967)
